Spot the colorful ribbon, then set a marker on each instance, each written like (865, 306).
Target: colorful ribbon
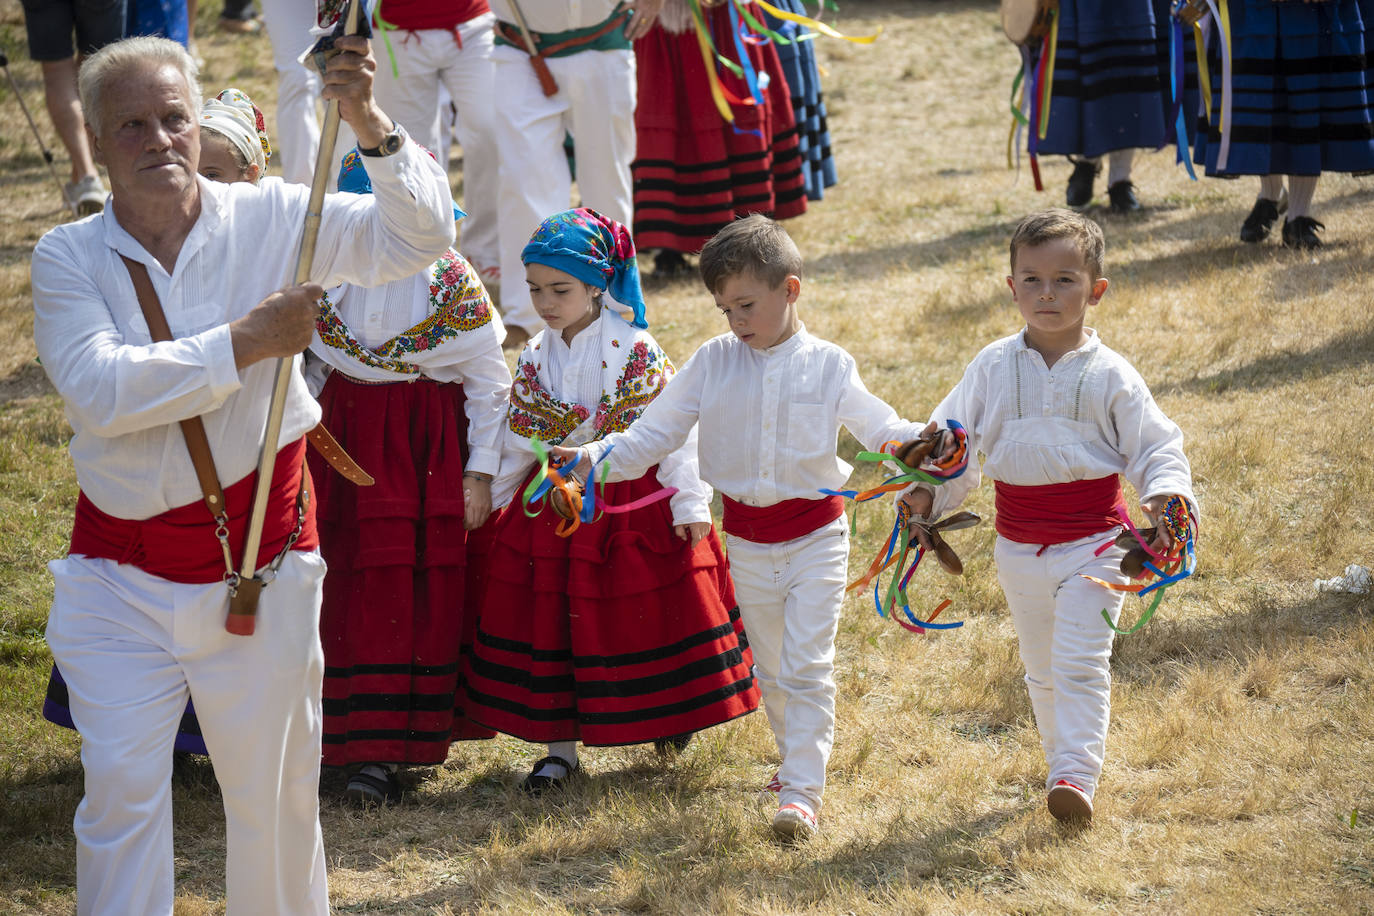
(1169, 569)
(1221, 14)
(898, 545)
(816, 24)
(1177, 84)
(585, 505)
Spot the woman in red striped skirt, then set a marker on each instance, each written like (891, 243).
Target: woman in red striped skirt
(415, 391)
(626, 631)
(693, 172)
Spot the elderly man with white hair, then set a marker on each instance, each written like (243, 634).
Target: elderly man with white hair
(138, 616)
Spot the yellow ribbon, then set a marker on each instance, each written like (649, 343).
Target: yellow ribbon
(1048, 88)
(1204, 79)
(708, 61)
(818, 25)
(1225, 26)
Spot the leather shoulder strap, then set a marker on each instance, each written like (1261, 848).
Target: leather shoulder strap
(192, 429)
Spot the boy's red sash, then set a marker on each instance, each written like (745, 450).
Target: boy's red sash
(784, 521)
(1058, 513)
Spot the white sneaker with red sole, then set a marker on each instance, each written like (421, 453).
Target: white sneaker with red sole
(1068, 803)
(795, 821)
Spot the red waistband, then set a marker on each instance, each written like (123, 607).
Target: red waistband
(180, 544)
(784, 521)
(1058, 513)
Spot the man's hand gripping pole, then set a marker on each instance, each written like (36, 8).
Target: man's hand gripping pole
(244, 595)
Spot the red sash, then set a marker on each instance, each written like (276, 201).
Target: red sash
(180, 544)
(1058, 513)
(784, 521)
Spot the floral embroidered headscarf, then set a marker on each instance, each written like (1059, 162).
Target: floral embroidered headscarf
(595, 250)
(232, 115)
(353, 177)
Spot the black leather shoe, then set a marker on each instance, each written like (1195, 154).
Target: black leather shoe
(674, 745)
(1122, 196)
(1261, 219)
(670, 264)
(1080, 190)
(538, 785)
(1301, 232)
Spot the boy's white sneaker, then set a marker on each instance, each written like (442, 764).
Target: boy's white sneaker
(1069, 804)
(795, 821)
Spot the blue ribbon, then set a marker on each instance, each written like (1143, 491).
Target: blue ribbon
(1176, 87)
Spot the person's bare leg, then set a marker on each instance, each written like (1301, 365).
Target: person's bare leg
(64, 107)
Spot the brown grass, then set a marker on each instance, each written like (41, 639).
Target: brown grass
(1241, 757)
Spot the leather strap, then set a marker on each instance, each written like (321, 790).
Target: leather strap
(192, 429)
(334, 455)
(197, 443)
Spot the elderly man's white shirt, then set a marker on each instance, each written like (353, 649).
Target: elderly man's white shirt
(124, 394)
(769, 419)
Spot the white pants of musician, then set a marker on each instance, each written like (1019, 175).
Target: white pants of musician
(424, 60)
(789, 598)
(296, 139)
(1066, 646)
(131, 646)
(595, 103)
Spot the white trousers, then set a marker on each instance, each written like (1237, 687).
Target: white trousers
(132, 647)
(296, 141)
(1066, 646)
(425, 60)
(595, 103)
(297, 136)
(789, 598)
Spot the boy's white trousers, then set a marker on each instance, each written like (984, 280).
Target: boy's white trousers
(131, 647)
(789, 598)
(1066, 646)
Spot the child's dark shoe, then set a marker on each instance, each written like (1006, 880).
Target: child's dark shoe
(547, 774)
(1079, 193)
(1122, 197)
(1260, 221)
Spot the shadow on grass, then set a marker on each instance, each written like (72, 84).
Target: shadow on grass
(936, 252)
(28, 381)
(1344, 351)
(1155, 651)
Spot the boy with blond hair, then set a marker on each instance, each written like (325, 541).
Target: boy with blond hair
(768, 400)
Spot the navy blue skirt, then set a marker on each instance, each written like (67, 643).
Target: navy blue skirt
(1301, 83)
(1107, 92)
(808, 103)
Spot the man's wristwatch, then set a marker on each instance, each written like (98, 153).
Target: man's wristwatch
(390, 144)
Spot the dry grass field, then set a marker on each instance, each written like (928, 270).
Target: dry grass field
(1240, 770)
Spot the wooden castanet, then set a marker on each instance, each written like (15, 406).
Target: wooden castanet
(1026, 20)
(949, 560)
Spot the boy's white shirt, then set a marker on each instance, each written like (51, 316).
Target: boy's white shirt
(1089, 416)
(768, 420)
(575, 374)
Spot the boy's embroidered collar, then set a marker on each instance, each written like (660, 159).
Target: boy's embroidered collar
(1094, 341)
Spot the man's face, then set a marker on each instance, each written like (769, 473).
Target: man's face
(149, 139)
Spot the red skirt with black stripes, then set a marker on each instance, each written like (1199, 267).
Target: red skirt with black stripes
(618, 634)
(403, 573)
(693, 172)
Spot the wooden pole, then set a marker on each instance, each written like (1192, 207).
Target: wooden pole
(243, 604)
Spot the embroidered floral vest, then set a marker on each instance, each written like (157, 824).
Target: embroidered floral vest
(634, 371)
(458, 303)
